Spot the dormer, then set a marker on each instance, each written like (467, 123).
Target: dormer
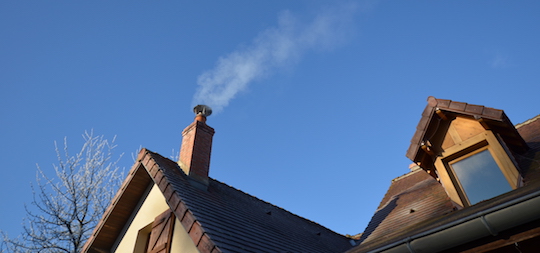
(469, 149)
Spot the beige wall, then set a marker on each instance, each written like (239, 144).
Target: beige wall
(153, 206)
(181, 241)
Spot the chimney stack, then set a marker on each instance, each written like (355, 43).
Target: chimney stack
(197, 146)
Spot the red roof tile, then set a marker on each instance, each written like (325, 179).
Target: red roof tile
(495, 118)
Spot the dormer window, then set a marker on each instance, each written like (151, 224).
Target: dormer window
(469, 149)
(479, 176)
(476, 169)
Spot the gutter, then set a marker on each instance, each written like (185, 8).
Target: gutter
(485, 223)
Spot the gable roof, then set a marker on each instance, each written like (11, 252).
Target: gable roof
(218, 219)
(490, 118)
(392, 226)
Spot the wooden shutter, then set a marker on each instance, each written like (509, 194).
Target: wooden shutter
(161, 235)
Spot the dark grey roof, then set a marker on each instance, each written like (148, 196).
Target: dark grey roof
(238, 222)
(219, 218)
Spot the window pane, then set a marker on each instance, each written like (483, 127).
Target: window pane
(480, 177)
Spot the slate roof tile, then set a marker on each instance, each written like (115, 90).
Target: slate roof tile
(238, 222)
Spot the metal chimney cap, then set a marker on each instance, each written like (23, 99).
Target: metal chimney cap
(203, 110)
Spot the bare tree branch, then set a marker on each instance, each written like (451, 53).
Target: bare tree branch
(68, 206)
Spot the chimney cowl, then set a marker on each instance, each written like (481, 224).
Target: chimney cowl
(204, 110)
(201, 112)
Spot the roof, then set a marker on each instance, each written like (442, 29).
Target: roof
(418, 191)
(490, 118)
(415, 196)
(218, 219)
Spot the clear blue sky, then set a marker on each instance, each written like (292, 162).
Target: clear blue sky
(319, 99)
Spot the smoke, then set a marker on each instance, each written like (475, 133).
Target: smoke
(272, 49)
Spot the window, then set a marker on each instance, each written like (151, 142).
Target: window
(143, 236)
(479, 176)
(477, 169)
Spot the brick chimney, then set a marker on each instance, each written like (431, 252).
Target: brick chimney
(197, 146)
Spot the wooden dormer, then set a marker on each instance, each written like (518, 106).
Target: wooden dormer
(461, 144)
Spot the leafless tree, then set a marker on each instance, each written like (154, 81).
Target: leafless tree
(67, 207)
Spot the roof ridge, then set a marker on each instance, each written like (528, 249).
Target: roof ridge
(526, 122)
(414, 169)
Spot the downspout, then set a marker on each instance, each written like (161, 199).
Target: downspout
(488, 222)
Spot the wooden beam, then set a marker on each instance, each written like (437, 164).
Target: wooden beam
(441, 114)
(484, 123)
(427, 150)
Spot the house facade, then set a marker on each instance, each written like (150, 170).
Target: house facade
(474, 186)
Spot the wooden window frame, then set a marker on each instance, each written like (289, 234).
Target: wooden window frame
(483, 141)
(143, 237)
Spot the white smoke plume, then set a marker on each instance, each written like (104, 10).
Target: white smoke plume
(273, 48)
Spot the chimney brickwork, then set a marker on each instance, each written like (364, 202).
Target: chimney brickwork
(196, 148)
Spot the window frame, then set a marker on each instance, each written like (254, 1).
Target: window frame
(483, 141)
(143, 237)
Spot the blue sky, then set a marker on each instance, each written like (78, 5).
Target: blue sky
(317, 100)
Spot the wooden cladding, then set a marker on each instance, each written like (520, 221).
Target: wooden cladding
(466, 148)
(161, 235)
